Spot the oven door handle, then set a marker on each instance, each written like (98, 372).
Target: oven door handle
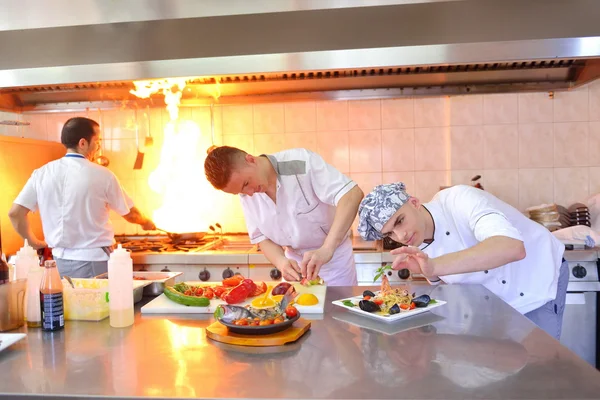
(583, 287)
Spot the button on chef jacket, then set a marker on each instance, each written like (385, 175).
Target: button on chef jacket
(463, 216)
(74, 197)
(308, 189)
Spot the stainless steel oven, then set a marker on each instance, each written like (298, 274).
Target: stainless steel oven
(580, 321)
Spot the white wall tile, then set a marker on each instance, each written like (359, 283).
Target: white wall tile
(238, 119)
(364, 114)
(466, 110)
(594, 143)
(268, 144)
(536, 145)
(37, 128)
(397, 113)
(571, 144)
(536, 186)
(535, 107)
(398, 149)
(307, 140)
(428, 183)
(501, 146)
(244, 142)
(432, 111)
(500, 108)
(594, 97)
(571, 185)
(571, 105)
(504, 184)
(432, 149)
(406, 177)
(301, 117)
(466, 147)
(332, 115)
(463, 177)
(268, 118)
(334, 148)
(365, 151)
(594, 180)
(366, 181)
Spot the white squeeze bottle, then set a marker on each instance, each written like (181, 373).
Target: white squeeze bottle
(33, 314)
(26, 258)
(120, 288)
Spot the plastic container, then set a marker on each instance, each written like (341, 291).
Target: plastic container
(89, 300)
(120, 288)
(12, 298)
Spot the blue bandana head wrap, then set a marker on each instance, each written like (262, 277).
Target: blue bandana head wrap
(378, 207)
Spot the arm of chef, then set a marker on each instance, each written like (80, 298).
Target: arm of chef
(26, 202)
(500, 242)
(334, 188)
(119, 201)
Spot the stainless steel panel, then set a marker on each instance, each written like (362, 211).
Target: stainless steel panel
(579, 325)
(398, 35)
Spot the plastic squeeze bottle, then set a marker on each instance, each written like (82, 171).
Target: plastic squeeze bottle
(120, 288)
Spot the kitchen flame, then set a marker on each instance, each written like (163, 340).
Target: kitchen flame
(179, 177)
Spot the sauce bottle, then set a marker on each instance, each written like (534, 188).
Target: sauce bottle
(51, 299)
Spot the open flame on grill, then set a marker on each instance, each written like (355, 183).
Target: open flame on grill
(179, 177)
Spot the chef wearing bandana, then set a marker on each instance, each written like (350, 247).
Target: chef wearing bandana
(466, 235)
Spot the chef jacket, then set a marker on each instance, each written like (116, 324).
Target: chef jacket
(308, 189)
(464, 216)
(74, 197)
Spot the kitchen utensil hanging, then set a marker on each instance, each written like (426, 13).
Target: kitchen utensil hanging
(100, 158)
(139, 158)
(212, 129)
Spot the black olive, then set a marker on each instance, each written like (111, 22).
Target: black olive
(394, 309)
(368, 293)
(368, 306)
(422, 301)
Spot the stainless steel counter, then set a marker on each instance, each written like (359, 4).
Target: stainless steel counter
(475, 346)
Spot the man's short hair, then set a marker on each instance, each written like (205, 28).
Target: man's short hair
(220, 163)
(76, 129)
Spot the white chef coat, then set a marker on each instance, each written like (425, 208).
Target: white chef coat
(74, 197)
(308, 189)
(463, 216)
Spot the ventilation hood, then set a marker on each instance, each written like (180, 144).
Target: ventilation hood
(264, 50)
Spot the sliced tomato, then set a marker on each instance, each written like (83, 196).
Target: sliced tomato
(412, 305)
(404, 306)
(367, 298)
(260, 289)
(376, 301)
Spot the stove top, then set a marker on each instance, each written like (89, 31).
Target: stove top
(164, 244)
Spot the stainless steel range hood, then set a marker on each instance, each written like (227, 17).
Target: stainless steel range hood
(292, 49)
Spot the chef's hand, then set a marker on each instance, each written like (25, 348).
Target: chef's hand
(414, 260)
(312, 261)
(289, 269)
(148, 225)
(37, 244)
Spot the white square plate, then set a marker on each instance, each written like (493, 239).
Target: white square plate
(8, 339)
(387, 318)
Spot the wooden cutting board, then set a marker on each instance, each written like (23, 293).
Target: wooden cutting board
(162, 305)
(219, 332)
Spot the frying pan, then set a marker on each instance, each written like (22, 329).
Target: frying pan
(179, 237)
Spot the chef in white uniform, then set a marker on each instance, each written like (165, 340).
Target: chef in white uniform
(298, 208)
(466, 235)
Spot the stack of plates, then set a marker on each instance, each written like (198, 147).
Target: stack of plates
(579, 214)
(547, 215)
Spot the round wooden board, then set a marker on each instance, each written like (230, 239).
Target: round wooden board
(220, 333)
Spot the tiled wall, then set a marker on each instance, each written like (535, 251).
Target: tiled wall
(528, 147)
